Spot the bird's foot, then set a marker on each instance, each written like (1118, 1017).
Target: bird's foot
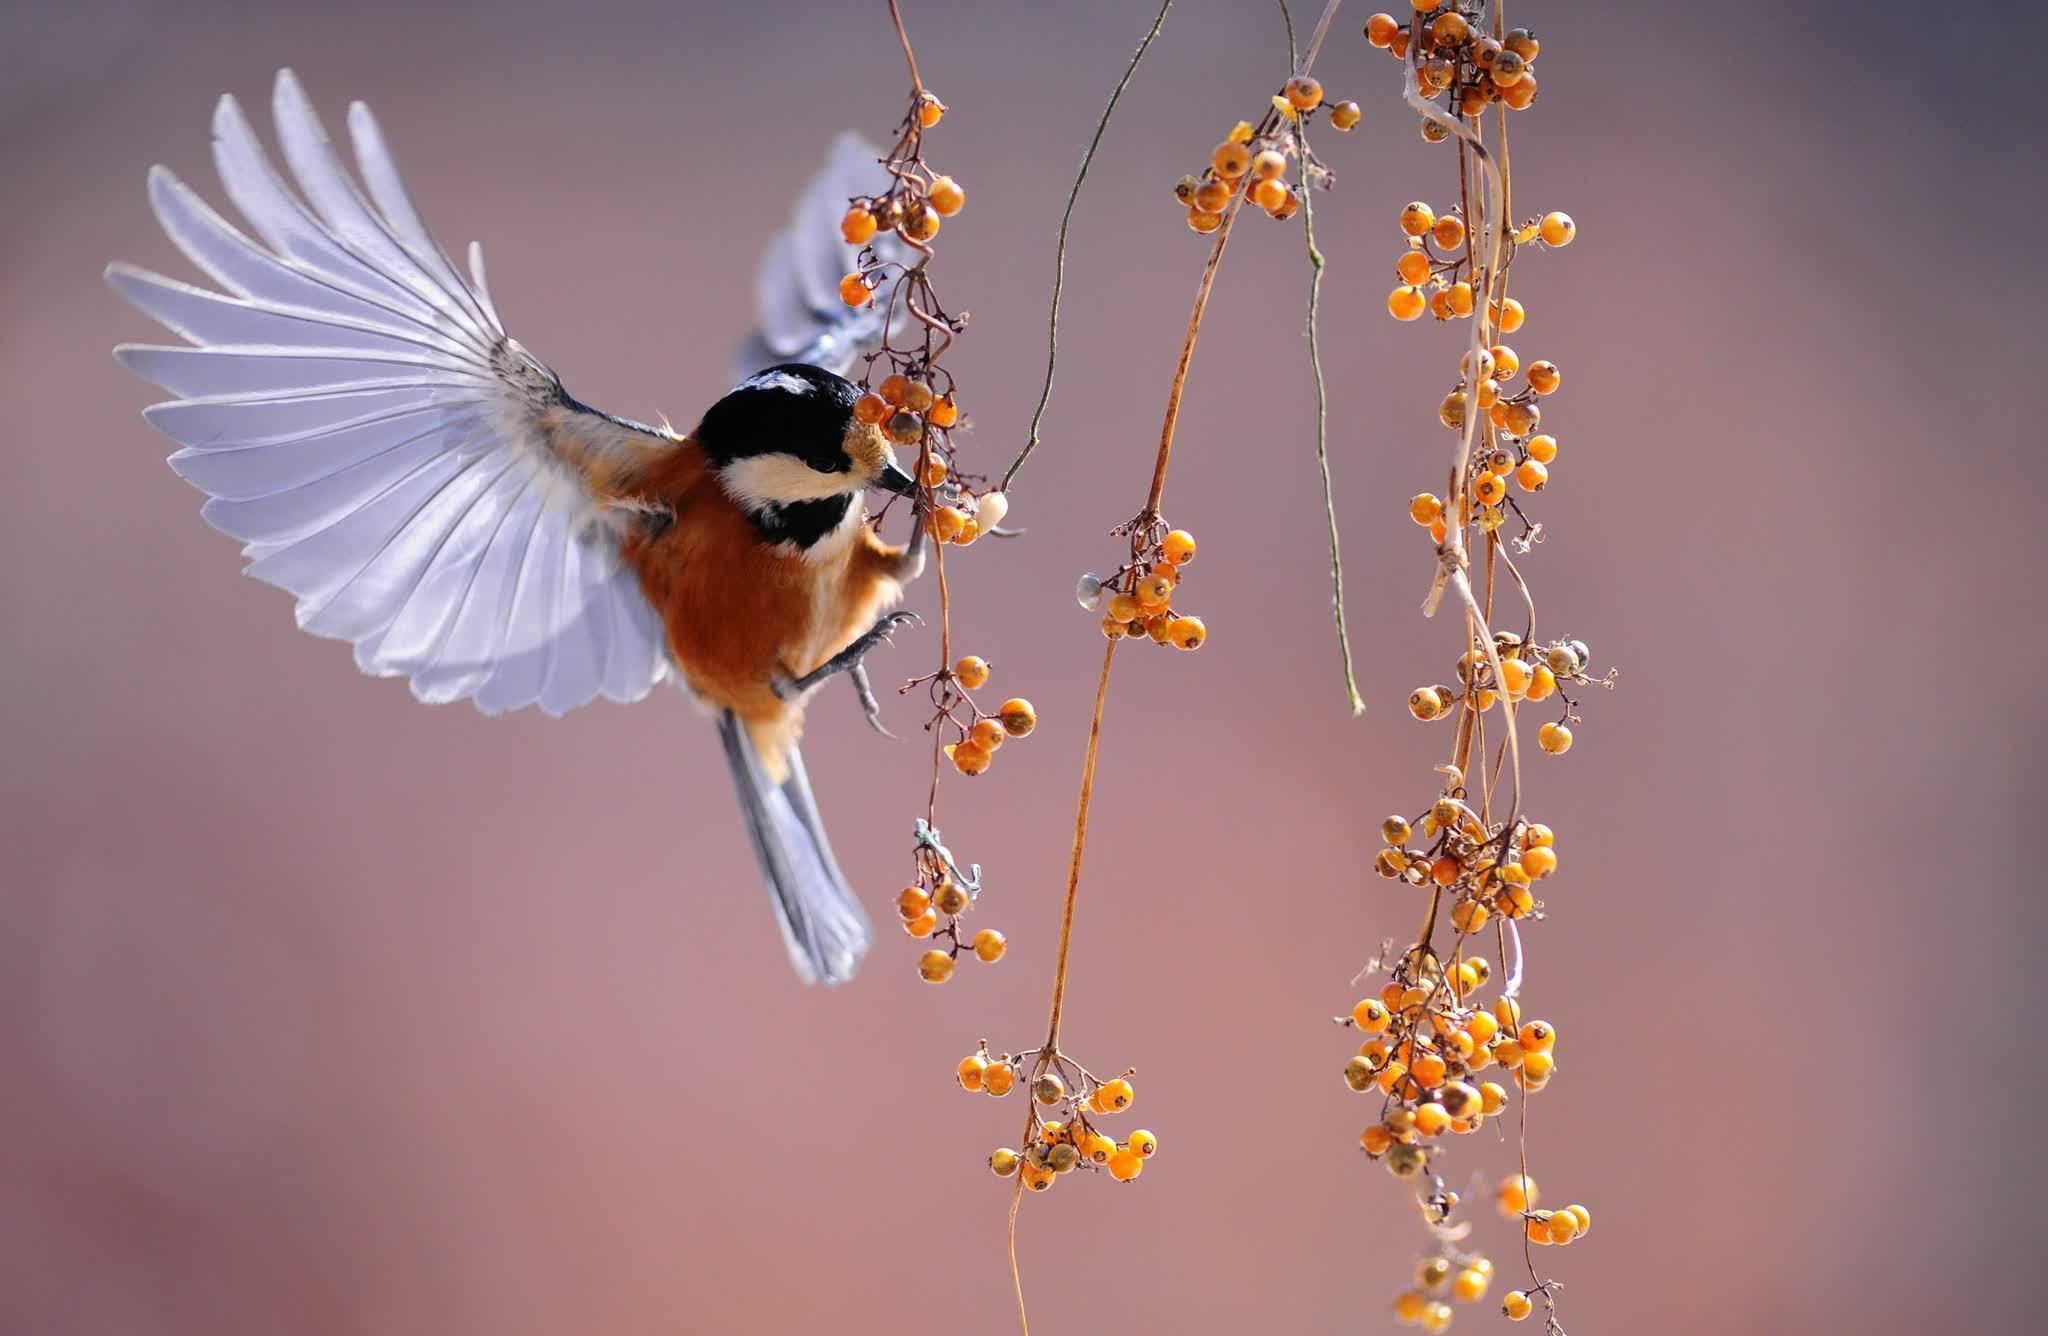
(849, 660)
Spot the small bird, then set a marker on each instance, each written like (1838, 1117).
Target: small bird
(427, 490)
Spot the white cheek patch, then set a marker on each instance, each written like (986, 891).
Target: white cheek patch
(777, 479)
(778, 380)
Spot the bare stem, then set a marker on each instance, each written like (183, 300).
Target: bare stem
(1059, 974)
(1059, 265)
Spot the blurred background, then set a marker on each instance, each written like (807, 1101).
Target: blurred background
(324, 1011)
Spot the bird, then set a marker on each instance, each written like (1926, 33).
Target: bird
(426, 489)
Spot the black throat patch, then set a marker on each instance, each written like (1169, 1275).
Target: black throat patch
(801, 523)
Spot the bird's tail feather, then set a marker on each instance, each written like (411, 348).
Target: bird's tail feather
(823, 925)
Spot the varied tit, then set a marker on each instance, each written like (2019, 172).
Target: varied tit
(427, 490)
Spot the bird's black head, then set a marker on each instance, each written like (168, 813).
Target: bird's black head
(787, 437)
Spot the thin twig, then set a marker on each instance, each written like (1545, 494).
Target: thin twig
(1059, 264)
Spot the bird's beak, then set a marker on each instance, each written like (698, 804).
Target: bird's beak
(894, 479)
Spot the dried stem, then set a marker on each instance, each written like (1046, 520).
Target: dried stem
(1059, 265)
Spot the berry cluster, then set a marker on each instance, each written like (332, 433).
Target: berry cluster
(1448, 1275)
(1476, 69)
(1528, 672)
(1479, 869)
(1065, 1100)
(1254, 159)
(1439, 259)
(1137, 598)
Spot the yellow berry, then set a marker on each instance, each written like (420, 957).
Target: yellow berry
(1583, 1216)
(970, 758)
(1425, 703)
(1126, 1165)
(1425, 509)
(1470, 1286)
(924, 925)
(1017, 716)
(858, 226)
(1188, 632)
(935, 966)
(998, 1079)
(1544, 377)
(946, 196)
(971, 672)
(1269, 164)
(970, 1070)
(1038, 1177)
(1179, 547)
(1117, 1095)
(1417, 219)
(1145, 1143)
(1532, 476)
(1409, 1306)
(1004, 1162)
(1510, 315)
(1405, 302)
(989, 945)
(1542, 449)
(1558, 229)
(1554, 738)
(1516, 1306)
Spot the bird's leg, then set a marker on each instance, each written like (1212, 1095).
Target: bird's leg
(848, 660)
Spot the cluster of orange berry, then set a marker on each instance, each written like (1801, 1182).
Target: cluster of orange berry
(1449, 1275)
(1254, 158)
(1485, 870)
(975, 749)
(1137, 599)
(911, 208)
(1475, 68)
(1063, 1136)
(902, 405)
(1517, 1197)
(933, 906)
(1528, 672)
(1433, 261)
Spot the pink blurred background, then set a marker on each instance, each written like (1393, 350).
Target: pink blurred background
(322, 1011)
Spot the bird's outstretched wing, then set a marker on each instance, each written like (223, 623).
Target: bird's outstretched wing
(362, 422)
(799, 315)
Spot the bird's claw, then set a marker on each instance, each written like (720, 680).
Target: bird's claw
(869, 706)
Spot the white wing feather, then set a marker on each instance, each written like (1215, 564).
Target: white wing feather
(799, 315)
(355, 411)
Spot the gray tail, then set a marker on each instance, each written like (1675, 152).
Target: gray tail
(823, 925)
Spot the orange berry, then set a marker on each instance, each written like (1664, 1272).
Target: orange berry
(946, 196)
(1038, 1177)
(971, 672)
(1540, 861)
(853, 290)
(1126, 1165)
(935, 967)
(988, 734)
(1212, 196)
(970, 758)
(1424, 702)
(1544, 377)
(1425, 509)
(1535, 1070)
(929, 109)
(1117, 1095)
(1405, 302)
(1470, 1285)
(1536, 1037)
(945, 412)
(1429, 1070)
(1516, 1306)
(1542, 449)
(1345, 115)
(1557, 229)
(1563, 1227)
(1516, 1194)
(1017, 716)
(1380, 29)
(1231, 159)
(970, 1070)
(1187, 632)
(1417, 219)
(1413, 266)
(1509, 315)
(1303, 93)
(1532, 475)
(921, 225)
(924, 925)
(894, 389)
(1461, 298)
(1371, 1016)
(1449, 231)
(998, 1079)
(1179, 547)
(1270, 195)
(989, 945)
(1489, 489)
(1554, 738)
(1204, 221)
(1004, 1162)
(872, 409)
(1521, 93)
(858, 226)
(1450, 29)
(1580, 1214)
(913, 903)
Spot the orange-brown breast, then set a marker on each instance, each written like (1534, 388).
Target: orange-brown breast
(741, 615)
